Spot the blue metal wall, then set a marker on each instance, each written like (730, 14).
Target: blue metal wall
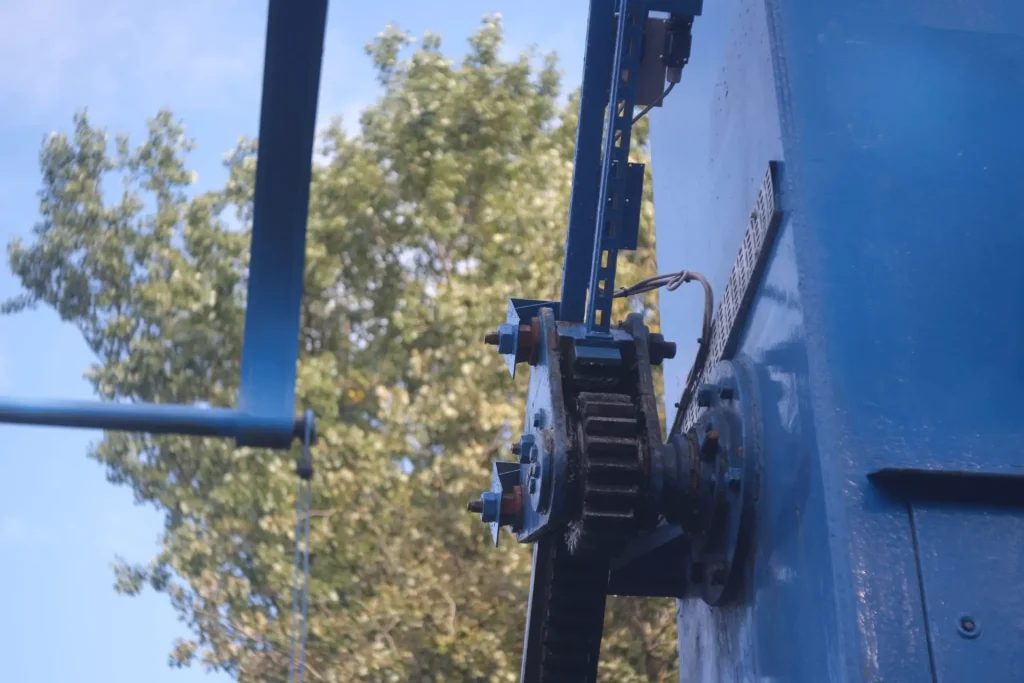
(888, 327)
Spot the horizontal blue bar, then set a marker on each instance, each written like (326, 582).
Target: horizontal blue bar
(153, 418)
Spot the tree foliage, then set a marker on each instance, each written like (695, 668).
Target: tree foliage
(451, 199)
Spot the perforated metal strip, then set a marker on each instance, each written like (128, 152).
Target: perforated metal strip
(746, 272)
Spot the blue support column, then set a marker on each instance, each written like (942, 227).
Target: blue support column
(615, 166)
(291, 82)
(586, 173)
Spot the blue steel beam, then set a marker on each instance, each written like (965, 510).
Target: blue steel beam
(600, 187)
(586, 173)
(291, 83)
(266, 414)
(615, 165)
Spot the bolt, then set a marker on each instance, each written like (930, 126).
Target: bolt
(516, 447)
(475, 506)
(661, 349)
(506, 339)
(490, 506)
(491, 339)
(968, 627)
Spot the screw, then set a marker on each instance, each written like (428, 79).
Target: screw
(968, 627)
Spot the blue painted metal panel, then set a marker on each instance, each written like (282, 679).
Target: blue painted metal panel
(896, 125)
(971, 566)
(291, 81)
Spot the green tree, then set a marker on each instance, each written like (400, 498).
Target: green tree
(451, 199)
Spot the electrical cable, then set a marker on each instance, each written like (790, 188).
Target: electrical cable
(672, 282)
(652, 105)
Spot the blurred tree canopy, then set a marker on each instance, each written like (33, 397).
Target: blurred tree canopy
(452, 198)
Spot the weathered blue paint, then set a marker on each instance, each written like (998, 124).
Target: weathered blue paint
(886, 331)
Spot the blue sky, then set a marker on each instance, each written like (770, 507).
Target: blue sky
(61, 523)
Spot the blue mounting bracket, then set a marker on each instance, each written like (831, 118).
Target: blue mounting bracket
(517, 336)
(265, 416)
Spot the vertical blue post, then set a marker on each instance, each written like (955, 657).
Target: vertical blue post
(291, 81)
(615, 167)
(586, 174)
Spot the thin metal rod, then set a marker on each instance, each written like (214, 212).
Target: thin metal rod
(144, 417)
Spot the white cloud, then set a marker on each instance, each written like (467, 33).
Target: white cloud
(56, 52)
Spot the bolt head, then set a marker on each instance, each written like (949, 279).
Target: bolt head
(968, 627)
(491, 506)
(507, 338)
(525, 448)
(660, 349)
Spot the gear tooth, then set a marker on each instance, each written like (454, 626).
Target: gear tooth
(611, 468)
